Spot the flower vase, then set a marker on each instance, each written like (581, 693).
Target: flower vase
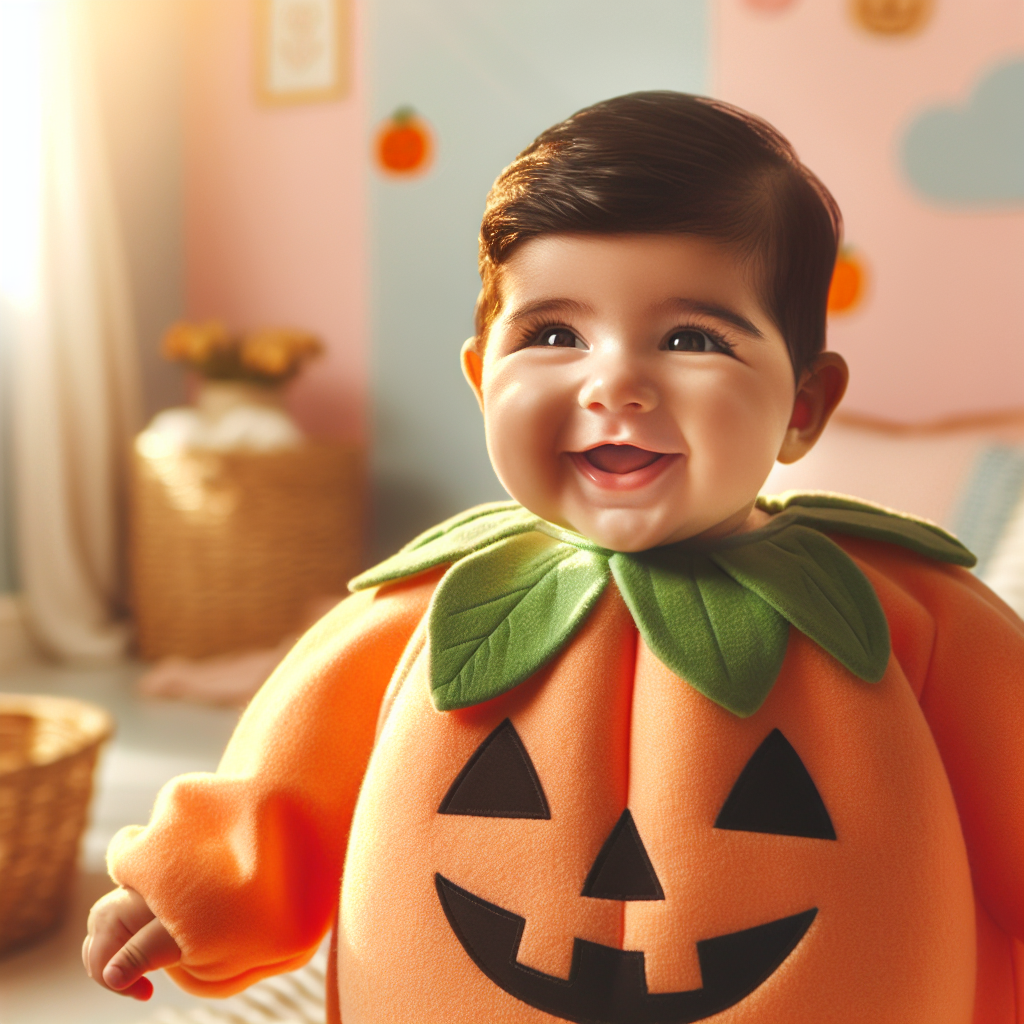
(217, 397)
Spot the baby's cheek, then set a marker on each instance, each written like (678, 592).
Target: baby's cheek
(755, 420)
(733, 458)
(520, 442)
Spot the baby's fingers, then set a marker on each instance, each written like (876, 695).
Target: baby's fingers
(150, 948)
(125, 940)
(112, 922)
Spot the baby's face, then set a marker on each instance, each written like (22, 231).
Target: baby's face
(633, 388)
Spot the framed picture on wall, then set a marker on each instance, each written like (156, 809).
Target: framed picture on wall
(302, 50)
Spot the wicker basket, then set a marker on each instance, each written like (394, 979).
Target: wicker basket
(228, 548)
(48, 748)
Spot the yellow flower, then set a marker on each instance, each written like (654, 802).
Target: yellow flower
(278, 351)
(273, 354)
(196, 343)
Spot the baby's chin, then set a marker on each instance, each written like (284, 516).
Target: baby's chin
(639, 529)
(629, 529)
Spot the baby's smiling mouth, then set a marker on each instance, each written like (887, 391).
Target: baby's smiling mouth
(622, 467)
(620, 458)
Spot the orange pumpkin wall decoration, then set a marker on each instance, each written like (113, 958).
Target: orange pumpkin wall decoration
(848, 282)
(892, 17)
(404, 143)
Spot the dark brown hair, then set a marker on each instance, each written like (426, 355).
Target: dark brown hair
(667, 163)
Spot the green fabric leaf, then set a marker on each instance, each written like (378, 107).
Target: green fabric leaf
(477, 527)
(486, 511)
(810, 580)
(451, 540)
(717, 635)
(718, 616)
(502, 613)
(835, 513)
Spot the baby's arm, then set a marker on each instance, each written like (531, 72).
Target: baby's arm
(242, 867)
(973, 700)
(125, 941)
(963, 651)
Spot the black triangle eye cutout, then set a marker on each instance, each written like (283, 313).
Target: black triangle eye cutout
(776, 794)
(622, 869)
(498, 781)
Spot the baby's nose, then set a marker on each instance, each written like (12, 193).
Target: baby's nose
(618, 385)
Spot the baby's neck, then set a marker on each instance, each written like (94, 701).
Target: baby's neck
(757, 518)
(745, 520)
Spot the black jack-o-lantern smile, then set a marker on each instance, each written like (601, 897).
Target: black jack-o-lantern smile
(773, 794)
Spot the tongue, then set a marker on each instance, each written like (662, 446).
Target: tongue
(620, 458)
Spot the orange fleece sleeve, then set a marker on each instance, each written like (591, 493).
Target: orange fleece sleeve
(974, 701)
(967, 653)
(243, 866)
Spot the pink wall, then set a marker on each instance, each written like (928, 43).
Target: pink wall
(942, 328)
(275, 212)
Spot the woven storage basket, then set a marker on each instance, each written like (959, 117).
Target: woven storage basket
(228, 548)
(48, 748)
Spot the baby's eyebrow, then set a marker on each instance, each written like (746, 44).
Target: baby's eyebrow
(718, 312)
(541, 306)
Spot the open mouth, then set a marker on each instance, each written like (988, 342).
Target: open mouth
(608, 985)
(621, 466)
(620, 458)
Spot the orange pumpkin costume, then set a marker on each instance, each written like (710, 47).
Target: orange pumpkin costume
(601, 841)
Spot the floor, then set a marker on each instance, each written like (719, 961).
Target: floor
(46, 984)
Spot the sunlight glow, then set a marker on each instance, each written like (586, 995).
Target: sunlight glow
(21, 108)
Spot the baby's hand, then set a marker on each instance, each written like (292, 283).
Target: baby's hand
(125, 941)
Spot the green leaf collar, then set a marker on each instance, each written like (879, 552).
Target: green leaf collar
(717, 615)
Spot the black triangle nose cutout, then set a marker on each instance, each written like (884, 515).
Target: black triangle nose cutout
(622, 870)
(498, 781)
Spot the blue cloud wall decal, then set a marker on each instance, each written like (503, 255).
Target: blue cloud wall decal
(972, 155)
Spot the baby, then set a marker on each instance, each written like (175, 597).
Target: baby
(641, 745)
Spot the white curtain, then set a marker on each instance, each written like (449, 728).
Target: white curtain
(76, 395)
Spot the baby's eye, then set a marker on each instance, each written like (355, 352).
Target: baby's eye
(694, 340)
(558, 337)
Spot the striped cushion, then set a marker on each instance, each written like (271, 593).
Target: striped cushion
(987, 504)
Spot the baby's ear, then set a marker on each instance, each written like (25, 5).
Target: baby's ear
(473, 367)
(820, 389)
